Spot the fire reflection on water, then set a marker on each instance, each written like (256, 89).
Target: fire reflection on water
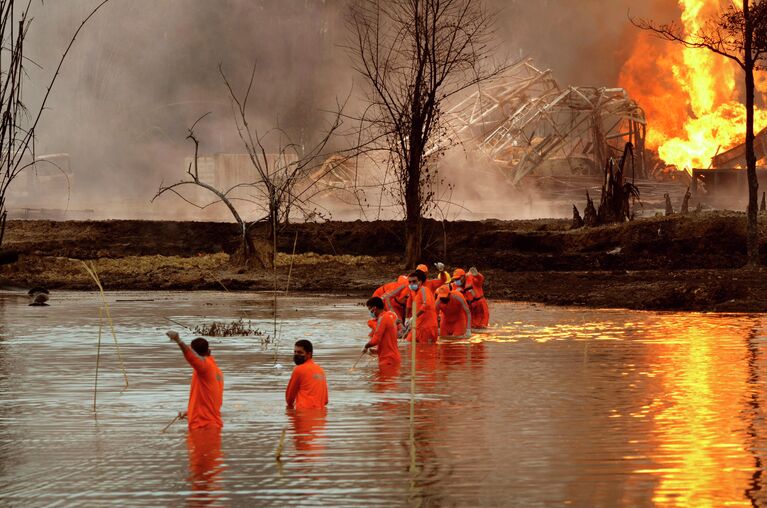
(698, 418)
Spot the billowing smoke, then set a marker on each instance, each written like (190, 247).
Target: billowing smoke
(141, 73)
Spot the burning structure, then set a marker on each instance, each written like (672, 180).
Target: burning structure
(696, 108)
(525, 123)
(726, 178)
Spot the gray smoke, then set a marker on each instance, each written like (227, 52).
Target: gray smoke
(142, 71)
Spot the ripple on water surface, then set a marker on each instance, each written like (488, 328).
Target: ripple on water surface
(549, 406)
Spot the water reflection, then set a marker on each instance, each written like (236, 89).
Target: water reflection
(552, 406)
(307, 427)
(206, 465)
(697, 415)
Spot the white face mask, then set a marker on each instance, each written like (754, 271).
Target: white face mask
(413, 287)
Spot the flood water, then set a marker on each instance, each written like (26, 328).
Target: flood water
(551, 406)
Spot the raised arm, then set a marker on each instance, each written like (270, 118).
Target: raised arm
(196, 361)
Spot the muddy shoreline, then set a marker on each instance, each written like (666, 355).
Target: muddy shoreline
(664, 263)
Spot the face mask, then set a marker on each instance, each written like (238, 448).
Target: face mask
(458, 283)
(413, 287)
(372, 314)
(444, 300)
(299, 359)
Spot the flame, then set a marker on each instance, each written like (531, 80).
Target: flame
(691, 97)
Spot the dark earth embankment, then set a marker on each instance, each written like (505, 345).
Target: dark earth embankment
(681, 262)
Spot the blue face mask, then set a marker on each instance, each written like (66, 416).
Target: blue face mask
(372, 314)
(413, 287)
(459, 283)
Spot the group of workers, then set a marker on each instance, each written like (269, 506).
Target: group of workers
(445, 306)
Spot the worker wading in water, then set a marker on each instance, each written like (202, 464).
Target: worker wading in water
(470, 286)
(207, 391)
(453, 314)
(430, 284)
(393, 295)
(307, 388)
(384, 334)
(426, 313)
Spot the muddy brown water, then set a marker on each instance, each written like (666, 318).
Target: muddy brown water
(551, 406)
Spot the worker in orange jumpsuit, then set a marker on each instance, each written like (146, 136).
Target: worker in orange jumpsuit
(307, 388)
(453, 314)
(393, 295)
(471, 286)
(384, 335)
(430, 284)
(426, 312)
(207, 391)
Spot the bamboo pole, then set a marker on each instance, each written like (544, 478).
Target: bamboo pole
(92, 272)
(280, 445)
(412, 390)
(179, 324)
(174, 420)
(292, 256)
(358, 361)
(98, 357)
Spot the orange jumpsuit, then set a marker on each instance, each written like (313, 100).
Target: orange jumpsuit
(207, 391)
(455, 316)
(384, 336)
(426, 320)
(433, 284)
(475, 297)
(307, 388)
(393, 295)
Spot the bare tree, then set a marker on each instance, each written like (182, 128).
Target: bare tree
(18, 123)
(740, 34)
(414, 55)
(280, 185)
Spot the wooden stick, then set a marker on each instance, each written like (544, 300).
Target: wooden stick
(412, 392)
(293, 255)
(280, 445)
(98, 356)
(358, 361)
(92, 272)
(219, 281)
(179, 324)
(178, 416)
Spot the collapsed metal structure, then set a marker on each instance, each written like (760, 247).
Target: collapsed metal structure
(524, 120)
(524, 123)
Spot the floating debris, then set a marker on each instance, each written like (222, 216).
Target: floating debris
(238, 328)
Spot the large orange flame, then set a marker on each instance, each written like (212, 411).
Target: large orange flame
(692, 97)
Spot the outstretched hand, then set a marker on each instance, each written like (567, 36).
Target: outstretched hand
(173, 335)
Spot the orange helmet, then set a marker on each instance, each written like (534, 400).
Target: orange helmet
(443, 291)
(423, 268)
(458, 273)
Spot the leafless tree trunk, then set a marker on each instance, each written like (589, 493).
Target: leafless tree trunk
(414, 55)
(739, 34)
(280, 184)
(18, 122)
(752, 228)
